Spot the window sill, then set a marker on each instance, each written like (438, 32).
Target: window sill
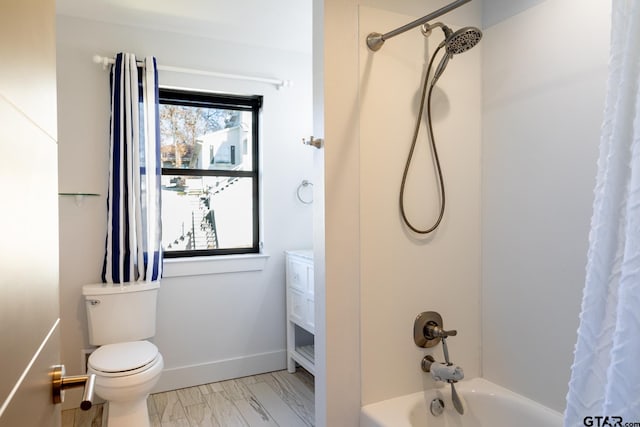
(196, 266)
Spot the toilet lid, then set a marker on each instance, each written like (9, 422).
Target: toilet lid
(122, 357)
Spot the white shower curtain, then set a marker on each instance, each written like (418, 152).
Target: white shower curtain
(605, 376)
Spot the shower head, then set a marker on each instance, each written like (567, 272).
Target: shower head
(454, 42)
(462, 40)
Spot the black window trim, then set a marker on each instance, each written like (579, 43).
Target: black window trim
(251, 103)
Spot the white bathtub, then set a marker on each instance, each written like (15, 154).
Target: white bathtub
(485, 404)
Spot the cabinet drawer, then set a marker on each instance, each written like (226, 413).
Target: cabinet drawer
(298, 275)
(297, 307)
(310, 319)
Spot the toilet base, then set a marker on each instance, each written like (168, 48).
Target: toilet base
(128, 414)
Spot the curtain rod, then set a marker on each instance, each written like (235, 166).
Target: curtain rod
(376, 40)
(105, 61)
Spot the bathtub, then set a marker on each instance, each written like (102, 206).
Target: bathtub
(485, 405)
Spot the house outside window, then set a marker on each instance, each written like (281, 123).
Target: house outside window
(209, 156)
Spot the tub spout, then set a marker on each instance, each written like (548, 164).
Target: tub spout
(442, 371)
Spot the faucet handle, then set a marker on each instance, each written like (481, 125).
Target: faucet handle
(427, 329)
(432, 331)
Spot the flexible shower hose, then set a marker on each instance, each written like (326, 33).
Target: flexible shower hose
(433, 148)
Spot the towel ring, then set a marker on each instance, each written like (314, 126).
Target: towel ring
(304, 183)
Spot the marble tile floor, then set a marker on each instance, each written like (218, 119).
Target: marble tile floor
(275, 399)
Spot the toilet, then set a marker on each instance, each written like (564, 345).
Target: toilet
(127, 366)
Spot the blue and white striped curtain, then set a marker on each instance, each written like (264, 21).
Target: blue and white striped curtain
(133, 247)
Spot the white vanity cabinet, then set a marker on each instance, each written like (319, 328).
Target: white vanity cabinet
(300, 310)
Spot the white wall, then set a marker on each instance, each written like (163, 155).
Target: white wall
(544, 76)
(210, 326)
(494, 11)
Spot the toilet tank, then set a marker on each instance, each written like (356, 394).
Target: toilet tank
(118, 313)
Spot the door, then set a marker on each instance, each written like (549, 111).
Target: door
(29, 309)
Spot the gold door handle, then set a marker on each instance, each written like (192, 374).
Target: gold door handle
(60, 382)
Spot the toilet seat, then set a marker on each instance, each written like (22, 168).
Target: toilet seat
(123, 359)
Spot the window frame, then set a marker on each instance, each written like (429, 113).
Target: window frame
(251, 103)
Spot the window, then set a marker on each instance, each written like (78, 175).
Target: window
(209, 155)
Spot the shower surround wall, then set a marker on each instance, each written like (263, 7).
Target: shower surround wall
(210, 326)
(544, 78)
(542, 85)
(376, 278)
(402, 274)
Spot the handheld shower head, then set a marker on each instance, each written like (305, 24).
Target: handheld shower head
(462, 40)
(454, 42)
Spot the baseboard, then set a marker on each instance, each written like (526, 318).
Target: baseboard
(220, 370)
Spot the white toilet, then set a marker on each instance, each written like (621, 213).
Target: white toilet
(126, 367)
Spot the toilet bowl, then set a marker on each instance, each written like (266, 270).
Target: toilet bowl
(127, 367)
(125, 375)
